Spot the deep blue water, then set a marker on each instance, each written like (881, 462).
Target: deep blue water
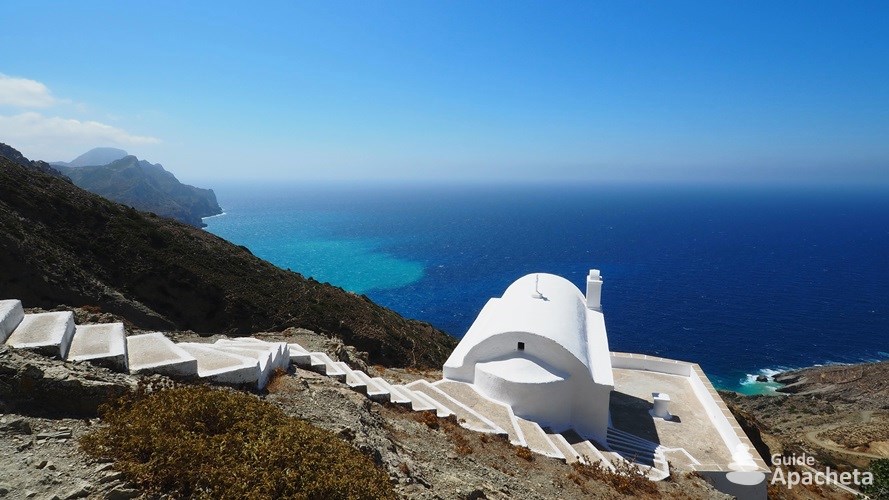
(740, 280)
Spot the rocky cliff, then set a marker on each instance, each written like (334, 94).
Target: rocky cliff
(144, 186)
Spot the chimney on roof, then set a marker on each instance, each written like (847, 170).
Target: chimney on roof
(594, 290)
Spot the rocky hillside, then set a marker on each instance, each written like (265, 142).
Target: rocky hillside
(16, 157)
(60, 244)
(141, 185)
(837, 414)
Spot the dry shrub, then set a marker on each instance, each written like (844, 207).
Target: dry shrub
(276, 380)
(202, 442)
(627, 478)
(524, 452)
(461, 444)
(427, 417)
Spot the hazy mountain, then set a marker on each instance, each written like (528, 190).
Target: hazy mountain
(141, 185)
(95, 156)
(60, 244)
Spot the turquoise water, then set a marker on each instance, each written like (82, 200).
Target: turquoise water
(303, 241)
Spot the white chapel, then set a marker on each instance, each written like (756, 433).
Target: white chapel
(542, 348)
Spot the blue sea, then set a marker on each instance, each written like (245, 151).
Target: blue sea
(742, 280)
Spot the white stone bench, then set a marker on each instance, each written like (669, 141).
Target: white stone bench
(104, 344)
(11, 314)
(155, 353)
(264, 357)
(279, 350)
(48, 333)
(224, 367)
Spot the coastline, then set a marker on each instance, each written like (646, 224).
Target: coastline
(220, 214)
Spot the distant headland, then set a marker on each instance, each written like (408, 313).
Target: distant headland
(118, 176)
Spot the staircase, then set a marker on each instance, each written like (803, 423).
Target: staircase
(467, 417)
(250, 361)
(647, 454)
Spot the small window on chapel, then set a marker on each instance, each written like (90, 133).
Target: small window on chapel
(521, 346)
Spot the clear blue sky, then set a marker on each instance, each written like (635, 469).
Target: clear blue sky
(656, 91)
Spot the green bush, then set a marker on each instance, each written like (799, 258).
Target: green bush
(214, 443)
(880, 488)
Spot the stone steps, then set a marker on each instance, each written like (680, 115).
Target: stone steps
(536, 439)
(279, 351)
(419, 402)
(48, 333)
(647, 454)
(591, 454)
(375, 391)
(395, 396)
(329, 367)
(496, 412)
(352, 379)
(300, 356)
(11, 314)
(588, 451)
(615, 433)
(467, 417)
(155, 353)
(223, 367)
(104, 344)
(441, 410)
(625, 444)
(631, 447)
(564, 447)
(306, 360)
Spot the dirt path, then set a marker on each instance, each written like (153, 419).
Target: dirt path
(812, 436)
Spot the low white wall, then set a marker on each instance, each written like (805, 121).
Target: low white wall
(548, 404)
(650, 363)
(702, 388)
(714, 410)
(591, 418)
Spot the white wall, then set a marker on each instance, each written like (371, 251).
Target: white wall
(579, 403)
(547, 403)
(650, 363)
